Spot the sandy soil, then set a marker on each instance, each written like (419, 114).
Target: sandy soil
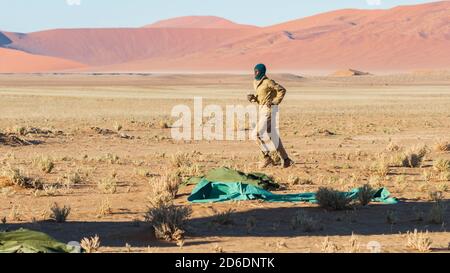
(364, 114)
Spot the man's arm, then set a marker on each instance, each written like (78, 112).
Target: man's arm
(281, 92)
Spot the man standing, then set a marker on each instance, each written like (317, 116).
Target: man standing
(269, 95)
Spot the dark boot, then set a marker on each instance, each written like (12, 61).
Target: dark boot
(288, 163)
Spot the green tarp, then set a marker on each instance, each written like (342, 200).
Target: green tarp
(209, 192)
(227, 175)
(28, 241)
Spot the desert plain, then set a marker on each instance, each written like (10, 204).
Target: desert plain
(112, 132)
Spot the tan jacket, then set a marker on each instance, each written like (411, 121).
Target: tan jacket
(268, 92)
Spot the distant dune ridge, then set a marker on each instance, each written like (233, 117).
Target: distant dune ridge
(20, 62)
(198, 22)
(404, 38)
(349, 73)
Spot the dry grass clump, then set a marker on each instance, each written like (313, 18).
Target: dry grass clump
(393, 147)
(90, 245)
(380, 168)
(442, 165)
(105, 208)
(143, 172)
(118, 127)
(328, 246)
(167, 219)
(391, 217)
(223, 218)
(17, 177)
(111, 158)
(296, 180)
(413, 158)
(365, 195)
(418, 241)
(396, 160)
(437, 211)
(354, 246)
(47, 190)
(304, 222)
(20, 130)
(169, 183)
(164, 124)
(59, 214)
(72, 179)
(44, 163)
(442, 146)
(332, 200)
(181, 159)
(108, 185)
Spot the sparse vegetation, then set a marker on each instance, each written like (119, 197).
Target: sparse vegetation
(304, 222)
(20, 130)
(442, 146)
(419, 241)
(181, 159)
(332, 200)
(105, 208)
(167, 219)
(48, 190)
(442, 165)
(168, 183)
(391, 217)
(44, 163)
(365, 195)
(437, 211)
(90, 245)
(250, 224)
(107, 185)
(118, 127)
(189, 171)
(370, 151)
(18, 178)
(15, 214)
(59, 214)
(75, 178)
(328, 246)
(143, 172)
(414, 157)
(354, 246)
(163, 124)
(111, 158)
(223, 218)
(295, 180)
(393, 147)
(218, 249)
(380, 168)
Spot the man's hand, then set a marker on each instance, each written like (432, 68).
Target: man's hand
(251, 98)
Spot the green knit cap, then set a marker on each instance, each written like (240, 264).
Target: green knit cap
(262, 71)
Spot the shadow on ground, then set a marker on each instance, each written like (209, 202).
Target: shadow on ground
(259, 222)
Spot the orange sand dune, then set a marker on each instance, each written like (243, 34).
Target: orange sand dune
(14, 61)
(112, 46)
(400, 39)
(403, 38)
(198, 22)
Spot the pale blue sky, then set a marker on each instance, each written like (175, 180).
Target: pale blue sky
(34, 15)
